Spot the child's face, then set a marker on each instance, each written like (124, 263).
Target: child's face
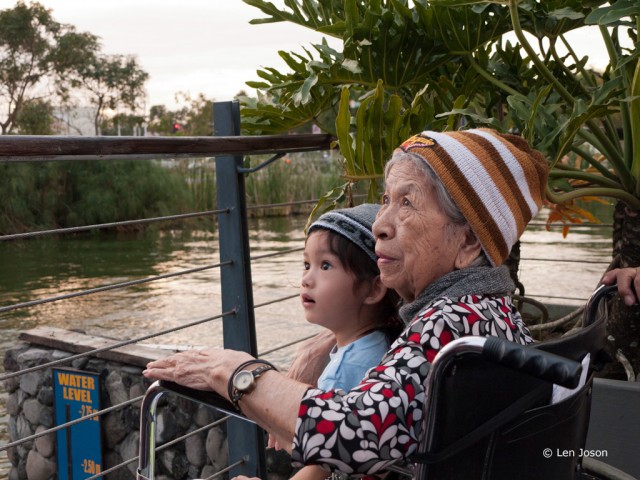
(327, 291)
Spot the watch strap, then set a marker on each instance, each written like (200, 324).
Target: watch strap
(232, 392)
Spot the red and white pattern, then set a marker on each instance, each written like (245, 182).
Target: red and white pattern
(378, 421)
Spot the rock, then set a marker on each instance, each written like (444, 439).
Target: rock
(174, 462)
(13, 428)
(24, 427)
(46, 417)
(13, 456)
(193, 472)
(136, 390)
(12, 406)
(117, 391)
(31, 382)
(45, 396)
(33, 357)
(38, 467)
(60, 354)
(111, 459)
(209, 470)
(11, 356)
(166, 427)
(204, 415)
(32, 409)
(80, 363)
(129, 449)
(11, 384)
(216, 447)
(195, 451)
(114, 428)
(45, 445)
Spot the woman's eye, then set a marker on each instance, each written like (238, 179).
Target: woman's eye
(406, 202)
(325, 266)
(385, 199)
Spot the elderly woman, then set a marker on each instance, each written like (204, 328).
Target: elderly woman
(454, 205)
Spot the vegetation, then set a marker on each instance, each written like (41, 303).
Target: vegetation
(41, 58)
(194, 117)
(110, 81)
(296, 177)
(64, 194)
(410, 66)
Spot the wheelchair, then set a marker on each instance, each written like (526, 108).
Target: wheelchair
(490, 411)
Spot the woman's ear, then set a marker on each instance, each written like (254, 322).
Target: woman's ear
(469, 250)
(377, 291)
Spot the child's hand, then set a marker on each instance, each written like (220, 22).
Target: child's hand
(273, 443)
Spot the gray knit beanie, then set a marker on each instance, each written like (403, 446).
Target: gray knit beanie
(352, 223)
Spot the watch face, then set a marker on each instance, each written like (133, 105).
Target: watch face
(243, 380)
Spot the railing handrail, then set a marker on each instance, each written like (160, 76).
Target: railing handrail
(43, 148)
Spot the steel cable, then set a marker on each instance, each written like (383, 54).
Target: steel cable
(112, 286)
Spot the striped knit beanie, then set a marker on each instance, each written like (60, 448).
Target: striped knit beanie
(497, 181)
(352, 223)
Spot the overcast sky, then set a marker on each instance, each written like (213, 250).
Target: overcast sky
(195, 46)
(198, 46)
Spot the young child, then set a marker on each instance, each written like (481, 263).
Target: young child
(341, 290)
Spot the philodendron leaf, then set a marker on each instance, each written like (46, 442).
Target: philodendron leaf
(343, 130)
(613, 13)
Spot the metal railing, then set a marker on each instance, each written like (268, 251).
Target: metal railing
(246, 443)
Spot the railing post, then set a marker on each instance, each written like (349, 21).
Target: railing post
(245, 439)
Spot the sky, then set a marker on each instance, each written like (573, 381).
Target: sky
(195, 46)
(201, 46)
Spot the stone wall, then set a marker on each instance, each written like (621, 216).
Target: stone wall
(30, 409)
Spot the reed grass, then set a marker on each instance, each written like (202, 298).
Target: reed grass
(67, 194)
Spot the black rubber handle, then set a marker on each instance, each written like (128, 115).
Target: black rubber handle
(544, 365)
(207, 397)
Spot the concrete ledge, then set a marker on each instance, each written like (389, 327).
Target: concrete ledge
(77, 342)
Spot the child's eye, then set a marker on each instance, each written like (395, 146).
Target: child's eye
(307, 266)
(325, 266)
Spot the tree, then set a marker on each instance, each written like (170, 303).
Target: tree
(35, 118)
(111, 81)
(36, 54)
(444, 63)
(194, 117)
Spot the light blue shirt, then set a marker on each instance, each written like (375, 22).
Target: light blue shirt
(348, 364)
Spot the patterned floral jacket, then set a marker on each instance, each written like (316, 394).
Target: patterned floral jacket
(378, 421)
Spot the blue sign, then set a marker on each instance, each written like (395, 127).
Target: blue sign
(77, 394)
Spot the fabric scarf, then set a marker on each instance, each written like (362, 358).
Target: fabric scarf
(473, 280)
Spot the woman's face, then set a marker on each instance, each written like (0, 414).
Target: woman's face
(411, 234)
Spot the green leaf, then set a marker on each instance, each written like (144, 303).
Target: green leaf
(613, 13)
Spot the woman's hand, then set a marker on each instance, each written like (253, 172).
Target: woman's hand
(199, 369)
(627, 280)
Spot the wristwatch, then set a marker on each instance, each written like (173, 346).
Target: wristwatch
(245, 381)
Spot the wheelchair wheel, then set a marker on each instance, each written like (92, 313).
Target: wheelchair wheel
(593, 469)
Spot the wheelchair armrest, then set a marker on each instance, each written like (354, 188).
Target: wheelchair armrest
(544, 365)
(201, 396)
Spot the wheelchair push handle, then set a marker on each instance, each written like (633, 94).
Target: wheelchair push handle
(544, 365)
